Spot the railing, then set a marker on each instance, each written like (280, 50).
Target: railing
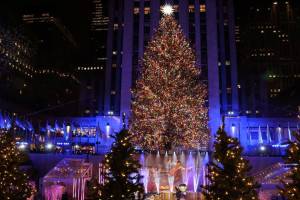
(273, 174)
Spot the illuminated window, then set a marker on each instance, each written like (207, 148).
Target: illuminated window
(202, 8)
(191, 8)
(147, 10)
(136, 11)
(116, 26)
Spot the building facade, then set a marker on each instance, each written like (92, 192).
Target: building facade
(212, 30)
(209, 25)
(56, 47)
(269, 52)
(92, 71)
(16, 68)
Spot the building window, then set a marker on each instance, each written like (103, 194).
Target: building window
(116, 26)
(136, 11)
(202, 8)
(147, 10)
(191, 8)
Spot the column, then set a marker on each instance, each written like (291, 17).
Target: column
(119, 41)
(222, 58)
(197, 33)
(155, 15)
(233, 57)
(184, 17)
(126, 76)
(109, 50)
(141, 29)
(213, 72)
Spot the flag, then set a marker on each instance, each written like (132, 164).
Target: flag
(269, 135)
(260, 139)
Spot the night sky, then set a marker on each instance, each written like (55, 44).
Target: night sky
(73, 14)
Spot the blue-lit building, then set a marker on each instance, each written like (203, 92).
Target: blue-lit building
(210, 26)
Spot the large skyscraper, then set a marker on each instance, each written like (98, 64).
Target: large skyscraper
(209, 25)
(32, 69)
(92, 71)
(212, 30)
(269, 51)
(55, 43)
(56, 50)
(16, 69)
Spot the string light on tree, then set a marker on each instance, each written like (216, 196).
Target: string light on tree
(168, 108)
(121, 176)
(228, 172)
(14, 183)
(291, 183)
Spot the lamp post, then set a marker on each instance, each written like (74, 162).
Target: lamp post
(123, 120)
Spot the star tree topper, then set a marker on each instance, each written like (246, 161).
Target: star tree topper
(167, 9)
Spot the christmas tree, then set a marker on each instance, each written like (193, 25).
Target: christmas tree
(228, 172)
(291, 188)
(93, 187)
(122, 179)
(168, 109)
(14, 183)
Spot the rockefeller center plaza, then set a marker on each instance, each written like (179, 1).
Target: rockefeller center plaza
(149, 100)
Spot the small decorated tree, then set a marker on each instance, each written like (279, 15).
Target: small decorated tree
(14, 183)
(121, 178)
(93, 187)
(291, 187)
(228, 173)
